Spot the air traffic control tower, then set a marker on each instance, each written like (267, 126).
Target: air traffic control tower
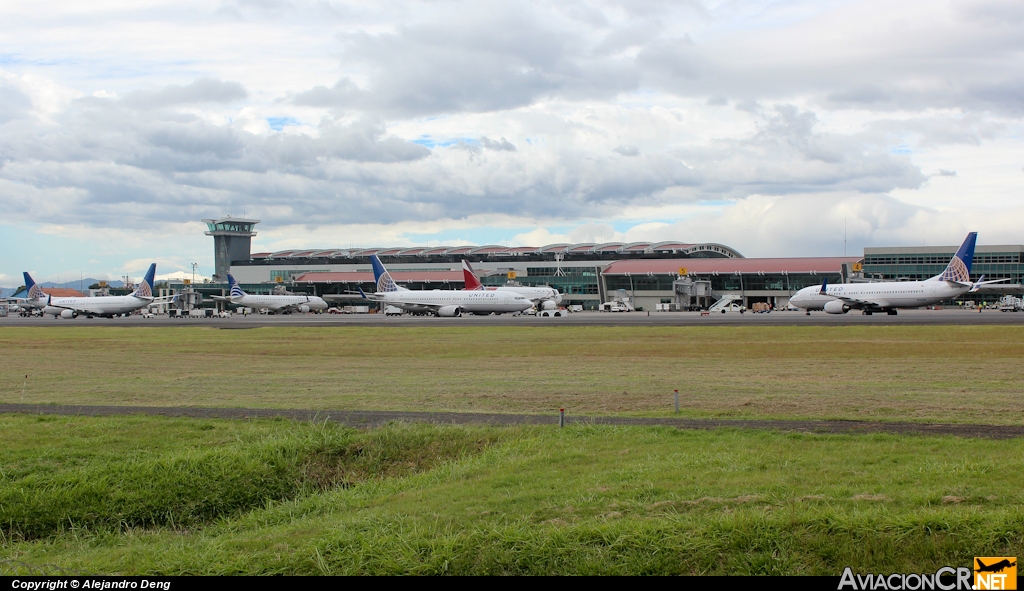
(232, 239)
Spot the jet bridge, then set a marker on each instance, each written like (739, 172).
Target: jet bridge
(692, 294)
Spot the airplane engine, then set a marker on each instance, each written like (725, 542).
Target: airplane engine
(304, 309)
(836, 307)
(548, 305)
(69, 314)
(449, 311)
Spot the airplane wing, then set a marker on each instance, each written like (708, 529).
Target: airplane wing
(861, 304)
(79, 309)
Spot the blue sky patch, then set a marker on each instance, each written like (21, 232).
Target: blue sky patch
(279, 123)
(431, 143)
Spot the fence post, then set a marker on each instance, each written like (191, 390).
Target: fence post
(677, 400)
(561, 418)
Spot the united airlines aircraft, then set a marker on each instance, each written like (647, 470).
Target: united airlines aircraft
(887, 296)
(108, 306)
(442, 302)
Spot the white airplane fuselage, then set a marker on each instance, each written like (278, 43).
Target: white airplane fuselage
(884, 295)
(276, 303)
(92, 306)
(535, 294)
(475, 302)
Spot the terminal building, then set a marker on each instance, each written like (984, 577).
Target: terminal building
(683, 274)
(913, 263)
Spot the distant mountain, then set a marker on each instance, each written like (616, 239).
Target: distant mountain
(84, 283)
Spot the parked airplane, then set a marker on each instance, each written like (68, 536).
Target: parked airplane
(274, 303)
(545, 298)
(887, 296)
(442, 302)
(108, 306)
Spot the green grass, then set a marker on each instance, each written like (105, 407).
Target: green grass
(518, 500)
(917, 373)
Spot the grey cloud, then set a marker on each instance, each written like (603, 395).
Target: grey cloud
(500, 145)
(675, 58)
(162, 165)
(748, 105)
(787, 155)
(195, 138)
(364, 141)
(1001, 95)
(969, 129)
(202, 90)
(484, 60)
(945, 172)
(864, 95)
(477, 60)
(13, 102)
(763, 226)
(999, 12)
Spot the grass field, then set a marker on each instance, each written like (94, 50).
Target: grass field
(179, 496)
(940, 373)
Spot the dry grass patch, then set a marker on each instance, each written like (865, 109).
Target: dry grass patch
(944, 373)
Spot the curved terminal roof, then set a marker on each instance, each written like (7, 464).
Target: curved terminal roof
(496, 250)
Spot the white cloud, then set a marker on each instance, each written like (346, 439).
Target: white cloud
(399, 123)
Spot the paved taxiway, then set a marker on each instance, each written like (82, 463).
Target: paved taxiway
(905, 317)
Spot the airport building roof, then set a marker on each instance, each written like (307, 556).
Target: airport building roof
(584, 250)
(425, 276)
(703, 266)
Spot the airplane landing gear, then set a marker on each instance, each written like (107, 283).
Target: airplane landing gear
(891, 312)
(866, 312)
(808, 312)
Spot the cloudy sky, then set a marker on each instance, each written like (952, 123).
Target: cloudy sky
(769, 126)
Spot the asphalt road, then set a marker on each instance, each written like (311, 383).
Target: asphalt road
(905, 317)
(369, 419)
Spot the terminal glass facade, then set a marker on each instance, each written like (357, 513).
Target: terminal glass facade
(917, 266)
(725, 282)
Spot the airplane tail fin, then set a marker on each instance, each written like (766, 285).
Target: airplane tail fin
(959, 268)
(35, 292)
(381, 276)
(236, 290)
(824, 287)
(145, 289)
(472, 281)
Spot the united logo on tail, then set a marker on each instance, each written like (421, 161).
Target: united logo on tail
(145, 289)
(384, 280)
(959, 267)
(35, 292)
